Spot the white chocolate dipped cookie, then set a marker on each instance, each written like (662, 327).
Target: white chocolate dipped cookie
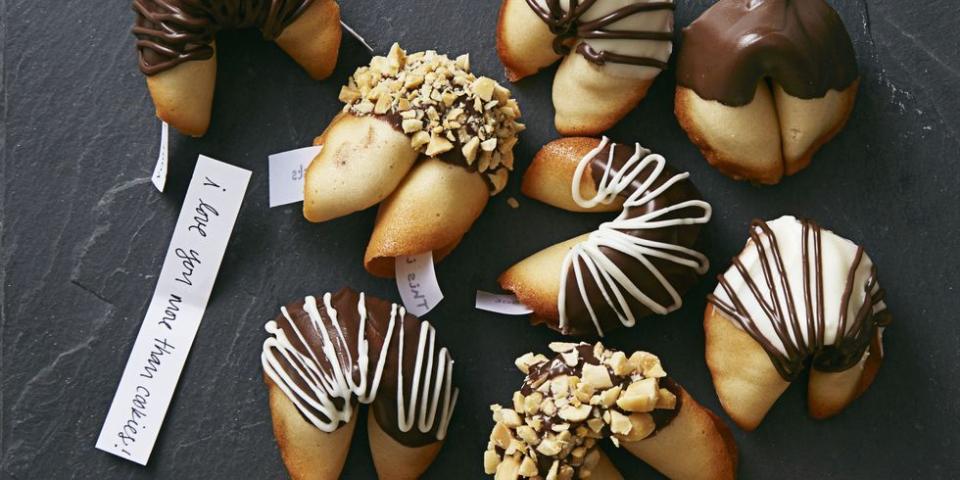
(325, 355)
(423, 137)
(640, 263)
(612, 50)
(763, 84)
(588, 393)
(797, 294)
(175, 40)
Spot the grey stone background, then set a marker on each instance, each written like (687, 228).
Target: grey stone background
(84, 234)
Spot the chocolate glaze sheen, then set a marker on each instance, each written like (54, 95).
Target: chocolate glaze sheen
(801, 45)
(378, 319)
(170, 32)
(682, 278)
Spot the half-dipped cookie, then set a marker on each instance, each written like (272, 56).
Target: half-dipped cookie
(612, 50)
(763, 84)
(586, 394)
(177, 48)
(423, 137)
(798, 295)
(640, 263)
(326, 355)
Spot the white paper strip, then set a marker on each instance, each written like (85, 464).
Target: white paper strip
(286, 174)
(160, 170)
(417, 283)
(501, 303)
(356, 35)
(179, 301)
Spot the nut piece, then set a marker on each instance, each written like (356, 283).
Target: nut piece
(490, 462)
(666, 399)
(500, 436)
(561, 347)
(527, 360)
(528, 434)
(508, 469)
(618, 362)
(609, 396)
(596, 376)
(575, 414)
(438, 144)
(469, 150)
(411, 125)
(640, 396)
(642, 426)
(528, 468)
(531, 404)
(419, 139)
(549, 447)
(619, 423)
(483, 87)
(510, 418)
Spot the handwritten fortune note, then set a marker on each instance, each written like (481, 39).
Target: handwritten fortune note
(500, 303)
(170, 325)
(159, 177)
(417, 283)
(286, 171)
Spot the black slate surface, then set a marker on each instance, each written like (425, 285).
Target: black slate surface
(84, 234)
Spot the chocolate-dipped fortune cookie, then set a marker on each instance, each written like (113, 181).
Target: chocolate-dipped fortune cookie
(763, 84)
(612, 50)
(796, 295)
(587, 393)
(424, 136)
(641, 262)
(175, 40)
(326, 354)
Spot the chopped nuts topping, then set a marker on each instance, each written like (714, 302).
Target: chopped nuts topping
(440, 97)
(568, 403)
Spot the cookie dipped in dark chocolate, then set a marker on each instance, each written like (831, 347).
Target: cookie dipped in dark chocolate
(680, 276)
(348, 347)
(455, 155)
(801, 45)
(570, 361)
(170, 32)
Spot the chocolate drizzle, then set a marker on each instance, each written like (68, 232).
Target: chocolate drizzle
(170, 32)
(777, 303)
(328, 355)
(801, 45)
(650, 243)
(568, 27)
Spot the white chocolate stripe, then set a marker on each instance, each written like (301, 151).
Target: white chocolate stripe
(322, 388)
(612, 282)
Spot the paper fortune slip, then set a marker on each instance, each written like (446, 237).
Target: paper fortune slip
(286, 174)
(183, 289)
(417, 283)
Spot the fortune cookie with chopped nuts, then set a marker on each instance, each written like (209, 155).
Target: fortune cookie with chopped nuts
(587, 393)
(424, 136)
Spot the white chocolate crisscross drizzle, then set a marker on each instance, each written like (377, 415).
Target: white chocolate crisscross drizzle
(612, 282)
(328, 390)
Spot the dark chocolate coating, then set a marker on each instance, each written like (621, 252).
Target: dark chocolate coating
(170, 32)
(681, 277)
(801, 45)
(377, 325)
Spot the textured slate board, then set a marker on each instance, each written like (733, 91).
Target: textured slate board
(84, 234)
